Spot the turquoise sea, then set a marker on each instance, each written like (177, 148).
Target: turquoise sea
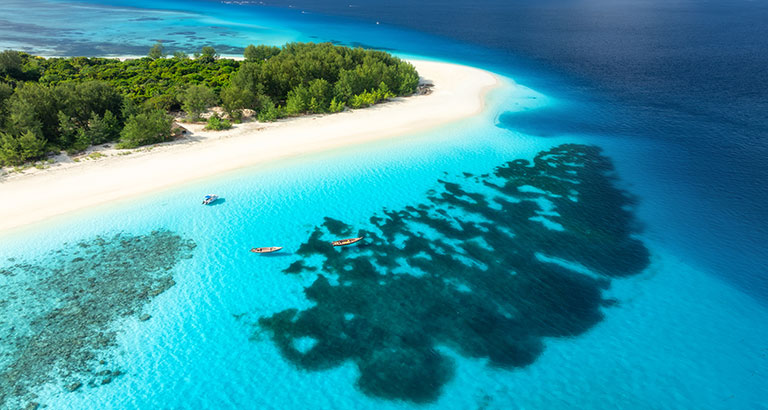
(523, 258)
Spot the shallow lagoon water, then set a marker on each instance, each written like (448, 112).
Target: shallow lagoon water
(675, 337)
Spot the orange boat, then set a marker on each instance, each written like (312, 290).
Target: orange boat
(268, 249)
(349, 241)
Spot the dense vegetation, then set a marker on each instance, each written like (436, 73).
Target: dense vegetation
(48, 105)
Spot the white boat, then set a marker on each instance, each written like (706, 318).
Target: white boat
(209, 199)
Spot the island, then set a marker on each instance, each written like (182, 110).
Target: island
(55, 104)
(277, 107)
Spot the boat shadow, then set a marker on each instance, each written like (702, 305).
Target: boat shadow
(276, 255)
(218, 202)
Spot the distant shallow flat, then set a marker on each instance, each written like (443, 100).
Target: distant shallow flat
(458, 93)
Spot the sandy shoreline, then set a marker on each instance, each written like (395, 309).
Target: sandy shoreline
(459, 92)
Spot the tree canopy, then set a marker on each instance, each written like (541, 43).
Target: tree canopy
(196, 99)
(146, 128)
(157, 51)
(71, 103)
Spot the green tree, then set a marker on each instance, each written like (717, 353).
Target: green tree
(270, 113)
(103, 129)
(166, 102)
(346, 86)
(146, 128)
(248, 78)
(5, 94)
(250, 54)
(97, 130)
(298, 101)
(10, 150)
(321, 93)
(34, 107)
(260, 53)
(80, 101)
(32, 146)
(15, 151)
(11, 64)
(80, 143)
(68, 130)
(234, 99)
(208, 55)
(196, 99)
(407, 79)
(130, 108)
(157, 51)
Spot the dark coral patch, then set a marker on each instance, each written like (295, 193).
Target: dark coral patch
(337, 227)
(56, 315)
(409, 372)
(487, 266)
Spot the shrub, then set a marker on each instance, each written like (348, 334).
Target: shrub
(146, 128)
(216, 123)
(10, 150)
(15, 151)
(196, 100)
(371, 97)
(270, 113)
(298, 101)
(81, 142)
(362, 100)
(165, 102)
(336, 106)
(235, 99)
(103, 129)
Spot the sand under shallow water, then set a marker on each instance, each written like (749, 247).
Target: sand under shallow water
(667, 336)
(622, 340)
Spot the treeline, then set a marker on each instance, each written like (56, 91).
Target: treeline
(314, 78)
(49, 105)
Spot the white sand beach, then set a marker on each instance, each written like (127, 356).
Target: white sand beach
(36, 195)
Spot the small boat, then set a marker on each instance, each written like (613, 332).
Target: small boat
(343, 242)
(268, 249)
(209, 199)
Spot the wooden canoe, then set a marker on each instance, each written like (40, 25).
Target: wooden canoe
(268, 249)
(349, 241)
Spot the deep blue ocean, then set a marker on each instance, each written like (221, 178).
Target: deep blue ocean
(596, 238)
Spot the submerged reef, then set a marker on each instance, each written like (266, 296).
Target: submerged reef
(57, 312)
(487, 266)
